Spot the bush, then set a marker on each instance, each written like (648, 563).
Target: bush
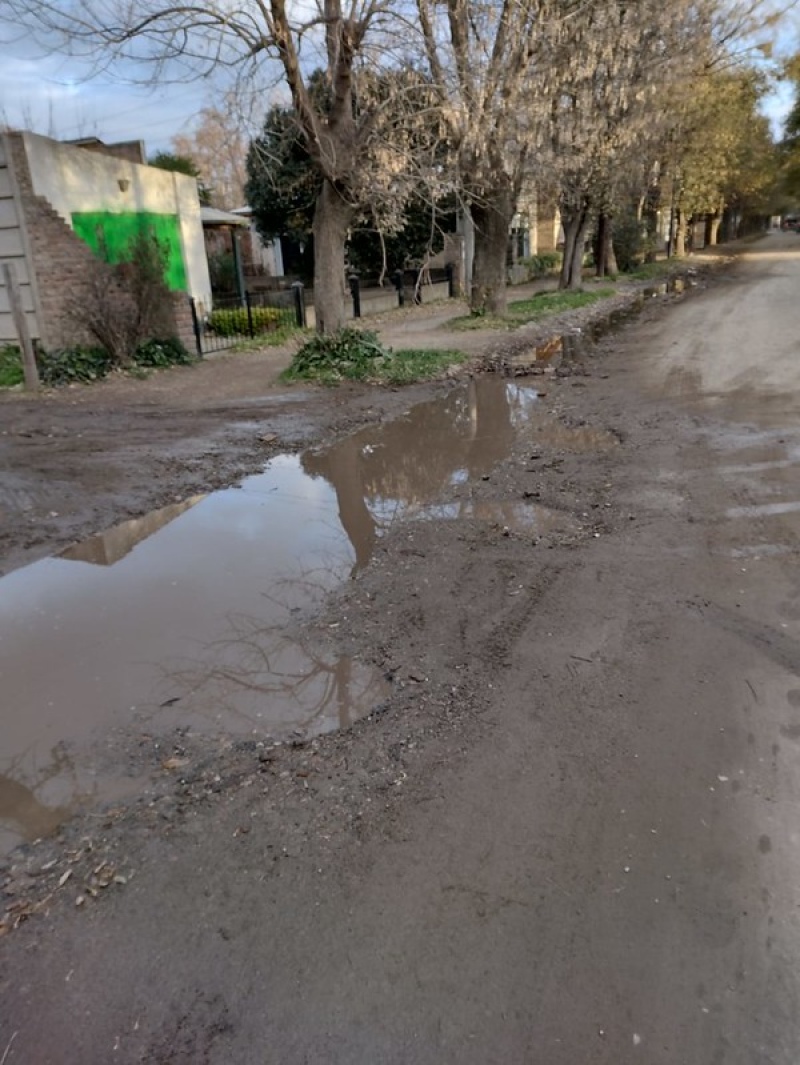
(357, 355)
(351, 353)
(74, 365)
(163, 353)
(82, 365)
(632, 243)
(234, 321)
(10, 366)
(126, 302)
(542, 265)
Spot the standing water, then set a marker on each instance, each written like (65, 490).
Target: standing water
(188, 616)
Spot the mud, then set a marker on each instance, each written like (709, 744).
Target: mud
(186, 618)
(559, 809)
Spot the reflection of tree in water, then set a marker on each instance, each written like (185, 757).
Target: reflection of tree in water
(412, 461)
(19, 805)
(260, 677)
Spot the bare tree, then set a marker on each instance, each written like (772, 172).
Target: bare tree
(491, 65)
(342, 37)
(218, 147)
(641, 64)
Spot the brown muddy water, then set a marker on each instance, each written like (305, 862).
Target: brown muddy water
(191, 616)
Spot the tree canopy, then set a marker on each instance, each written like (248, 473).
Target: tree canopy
(394, 103)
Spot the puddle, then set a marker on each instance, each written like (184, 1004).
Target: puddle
(190, 615)
(109, 547)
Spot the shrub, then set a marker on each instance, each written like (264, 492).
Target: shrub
(74, 365)
(632, 243)
(127, 302)
(542, 265)
(81, 365)
(162, 353)
(234, 321)
(349, 353)
(356, 355)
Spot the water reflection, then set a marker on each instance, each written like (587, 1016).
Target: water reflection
(257, 665)
(380, 474)
(187, 616)
(113, 544)
(31, 812)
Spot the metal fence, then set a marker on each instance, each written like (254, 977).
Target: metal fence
(410, 286)
(256, 314)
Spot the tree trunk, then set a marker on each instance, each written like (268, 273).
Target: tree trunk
(575, 226)
(712, 229)
(605, 257)
(611, 256)
(492, 219)
(332, 217)
(680, 234)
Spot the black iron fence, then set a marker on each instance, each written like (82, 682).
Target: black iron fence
(256, 314)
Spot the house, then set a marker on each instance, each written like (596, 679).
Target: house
(62, 205)
(266, 256)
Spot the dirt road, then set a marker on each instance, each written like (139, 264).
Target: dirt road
(568, 834)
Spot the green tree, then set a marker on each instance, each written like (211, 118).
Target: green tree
(183, 164)
(399, 213)
(722, 154)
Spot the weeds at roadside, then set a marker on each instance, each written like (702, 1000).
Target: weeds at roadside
(650, 271)
(82, 365)
(357, 355)
(520, 312)
(554, 303)
(276, 338)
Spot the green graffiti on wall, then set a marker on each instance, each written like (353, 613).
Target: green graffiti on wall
(110, 236)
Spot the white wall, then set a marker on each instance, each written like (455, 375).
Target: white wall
(75, 180)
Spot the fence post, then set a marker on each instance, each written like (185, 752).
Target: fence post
(299, 291)
(198, 335)
(29, 367)
(355, 292)
(397, 277)
(450, 274)
(249, 305)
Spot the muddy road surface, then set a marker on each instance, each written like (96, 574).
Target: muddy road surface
(559, 617)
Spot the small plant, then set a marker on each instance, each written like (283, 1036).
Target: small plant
(82, 365)
(10, 366)
(231, 322)
(78, 365)
(357, 355)
(349, 353)
(162, 353)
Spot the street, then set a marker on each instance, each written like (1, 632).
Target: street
(583, 846)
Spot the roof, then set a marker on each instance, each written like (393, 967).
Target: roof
(212, 216)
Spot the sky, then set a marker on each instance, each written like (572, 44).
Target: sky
(54, 94)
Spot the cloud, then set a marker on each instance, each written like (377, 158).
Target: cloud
(57, 95)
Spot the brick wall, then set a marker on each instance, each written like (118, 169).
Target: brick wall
(61, 261)
(63, 266)
(182, 317)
